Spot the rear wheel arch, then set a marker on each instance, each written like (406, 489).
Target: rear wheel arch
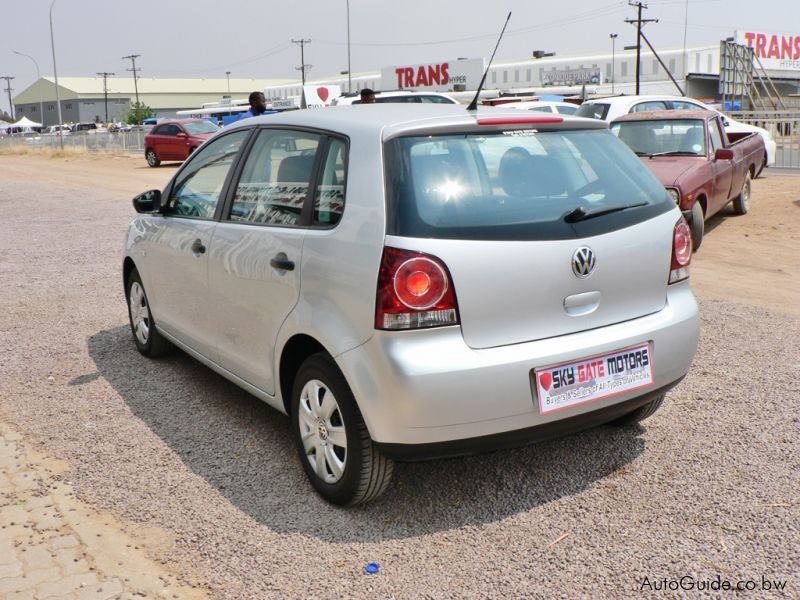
(296, 350)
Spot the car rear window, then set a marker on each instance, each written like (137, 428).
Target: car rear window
(595, 110)
(516, 185)
(663, 136)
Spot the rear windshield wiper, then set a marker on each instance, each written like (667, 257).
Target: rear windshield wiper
(581, 214)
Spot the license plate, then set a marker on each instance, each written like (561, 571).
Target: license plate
(567, 384)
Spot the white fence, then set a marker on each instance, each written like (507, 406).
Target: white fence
(99, 141)
(784, 125)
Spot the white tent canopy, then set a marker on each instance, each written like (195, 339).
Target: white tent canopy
(26, 123)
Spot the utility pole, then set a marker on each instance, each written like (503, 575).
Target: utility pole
(303, 66)
(8, 79)
(133, 58)
(639, 22)
(105, 75)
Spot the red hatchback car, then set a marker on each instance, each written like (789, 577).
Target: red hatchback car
(176, 140)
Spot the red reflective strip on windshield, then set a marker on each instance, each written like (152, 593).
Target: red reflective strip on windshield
(521, 120)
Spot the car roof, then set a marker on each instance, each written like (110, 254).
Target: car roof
(388, 119)
(671, 115)
(624, 100)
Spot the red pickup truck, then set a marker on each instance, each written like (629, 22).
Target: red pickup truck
(703, 167)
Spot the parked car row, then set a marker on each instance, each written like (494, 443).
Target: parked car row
(413, 281)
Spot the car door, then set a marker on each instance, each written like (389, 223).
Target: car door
(254, 265)
(172, 144)
(177, 258)
(722, 171)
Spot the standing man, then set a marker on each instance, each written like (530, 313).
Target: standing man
(258, 105)
(367, 96)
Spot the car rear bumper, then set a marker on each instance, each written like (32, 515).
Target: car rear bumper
(429, 387)
(520, 437)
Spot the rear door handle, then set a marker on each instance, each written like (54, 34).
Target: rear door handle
(198, 247)
(281, 262)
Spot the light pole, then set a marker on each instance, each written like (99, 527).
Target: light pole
(228, 75)
(613, 37)
(38, 77)
(349, 70)
(55, 75)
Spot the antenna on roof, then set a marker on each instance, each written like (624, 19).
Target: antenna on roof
(474, 104)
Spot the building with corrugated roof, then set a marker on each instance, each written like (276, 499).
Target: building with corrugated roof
(83, 100)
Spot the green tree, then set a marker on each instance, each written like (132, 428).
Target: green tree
(136, 113)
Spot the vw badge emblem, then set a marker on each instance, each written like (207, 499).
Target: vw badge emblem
(583, 262)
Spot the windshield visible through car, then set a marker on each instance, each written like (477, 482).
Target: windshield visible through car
(199, 127)
(516, 184)
(593, 110)
(663, 136)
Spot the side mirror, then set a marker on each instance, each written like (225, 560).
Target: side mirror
(148, 202)
(723, 154)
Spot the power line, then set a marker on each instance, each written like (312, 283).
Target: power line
(303, 66)
(133, 58)
(105, 75)
(9, 89)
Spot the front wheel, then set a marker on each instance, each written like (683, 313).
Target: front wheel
(145, 335)
(697, 226)
(741, 204)
(152, 158)
(335, 448)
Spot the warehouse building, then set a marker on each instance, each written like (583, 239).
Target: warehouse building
(83, 99)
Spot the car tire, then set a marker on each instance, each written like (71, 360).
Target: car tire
(641, 413)
(152, 158)
(145, 334)
(697, 226)
(741, 204)
(326, 420)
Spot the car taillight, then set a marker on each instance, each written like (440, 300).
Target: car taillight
(415, 291)
(681, 252)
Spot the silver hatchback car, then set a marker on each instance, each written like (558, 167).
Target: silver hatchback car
(418, 281)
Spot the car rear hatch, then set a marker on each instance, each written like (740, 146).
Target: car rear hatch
(544, 233)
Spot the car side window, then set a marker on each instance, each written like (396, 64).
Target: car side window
(683, 105)
(157, 130)
(172, 130)
(716, 136)
(275, 179)
(199, 184)
(651, 105)
(546, 109)
(329, 195)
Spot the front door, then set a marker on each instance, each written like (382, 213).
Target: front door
(178, 251)
(722, 169)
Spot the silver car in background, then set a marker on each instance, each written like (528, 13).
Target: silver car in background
(418, 281)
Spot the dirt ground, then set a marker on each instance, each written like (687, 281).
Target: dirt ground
(747, 259)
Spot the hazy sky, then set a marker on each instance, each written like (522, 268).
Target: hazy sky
(182, 38)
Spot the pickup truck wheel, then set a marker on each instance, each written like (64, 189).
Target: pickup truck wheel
(337, 453)
(741, 204)
(697, 226)
(641, 413)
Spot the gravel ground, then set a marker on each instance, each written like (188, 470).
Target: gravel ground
(706, 488)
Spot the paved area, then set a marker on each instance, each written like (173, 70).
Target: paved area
(54, 546)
